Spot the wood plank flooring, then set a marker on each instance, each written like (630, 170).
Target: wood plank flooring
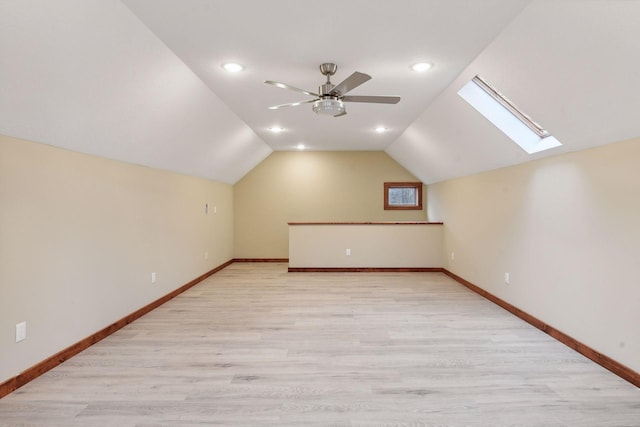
(254, 345)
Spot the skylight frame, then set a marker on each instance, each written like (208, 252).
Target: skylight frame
(502, 100)
(507, 117)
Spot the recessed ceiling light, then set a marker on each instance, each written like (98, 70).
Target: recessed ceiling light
(232, 67)
(276, 129)
(300, 146)
(381, 129)
(421, 67)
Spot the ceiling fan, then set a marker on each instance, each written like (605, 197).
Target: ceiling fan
(330, 98)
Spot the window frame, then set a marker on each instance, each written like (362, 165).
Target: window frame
(391, 185)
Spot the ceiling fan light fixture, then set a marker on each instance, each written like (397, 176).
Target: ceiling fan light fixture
(329, 99)
(328, 107)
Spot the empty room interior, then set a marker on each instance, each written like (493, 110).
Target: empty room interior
(421, 212)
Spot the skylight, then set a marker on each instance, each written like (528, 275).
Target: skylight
(530, 136)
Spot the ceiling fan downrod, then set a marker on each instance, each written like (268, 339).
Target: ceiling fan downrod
(327, 69)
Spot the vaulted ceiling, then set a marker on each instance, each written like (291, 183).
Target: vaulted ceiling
(141, 81)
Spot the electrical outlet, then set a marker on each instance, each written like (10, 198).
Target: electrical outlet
(347, 252)
(153, 277)
(206, 255)
(215, 209)
(506, 278)
(453, 255)
(21, 331)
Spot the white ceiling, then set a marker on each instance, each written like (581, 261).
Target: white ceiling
(286, 41)
(140, 80)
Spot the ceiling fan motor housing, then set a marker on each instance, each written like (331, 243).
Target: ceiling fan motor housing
(325, 89)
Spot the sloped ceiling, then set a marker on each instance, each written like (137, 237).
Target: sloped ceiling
(89, 77)
(572, 66)
(140, 80)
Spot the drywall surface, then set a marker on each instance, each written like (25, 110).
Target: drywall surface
(80, 237)
(311, 186)
(366, 245)
(566, 229)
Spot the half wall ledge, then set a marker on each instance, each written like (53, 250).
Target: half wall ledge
(366, 246)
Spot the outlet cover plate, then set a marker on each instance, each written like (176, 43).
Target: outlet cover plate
(21, 331)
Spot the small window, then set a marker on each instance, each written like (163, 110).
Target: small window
(403, 195)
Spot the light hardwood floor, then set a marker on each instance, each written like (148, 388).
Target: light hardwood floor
(254, 345)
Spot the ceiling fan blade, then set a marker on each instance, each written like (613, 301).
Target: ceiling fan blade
(350, 83)
(292, 104)
(293, 88)
(373, 99)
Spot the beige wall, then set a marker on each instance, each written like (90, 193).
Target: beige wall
(311, 186)
(567, 229)
(370, 245)
(80, 236)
